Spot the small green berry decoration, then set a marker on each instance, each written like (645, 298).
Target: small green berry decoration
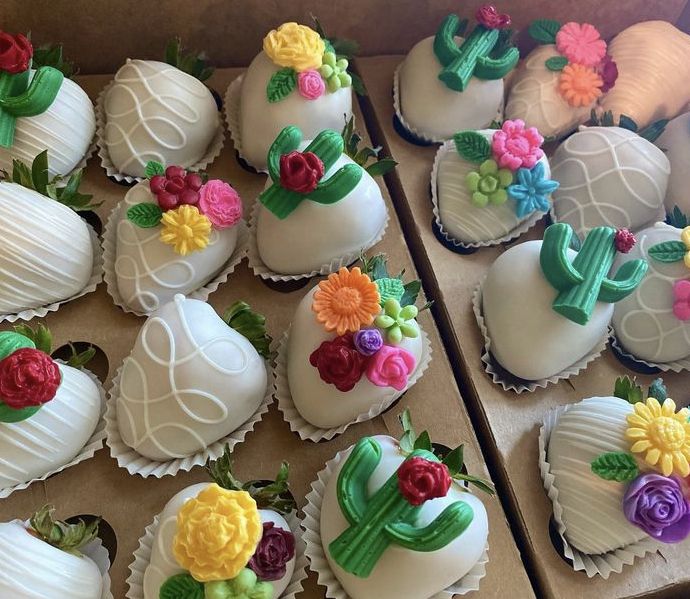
(334, 72)
(397, 322)
(489, 184)
(618, 466)
(244, 586)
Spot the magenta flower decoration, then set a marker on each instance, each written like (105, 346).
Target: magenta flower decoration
(581, 44)
(681, 299)
(515, 146)
(310, 84)
(608, 71)
(390, 367)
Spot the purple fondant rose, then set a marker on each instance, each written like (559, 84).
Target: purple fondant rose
(276, 548)
(656, 504)
(368, 341)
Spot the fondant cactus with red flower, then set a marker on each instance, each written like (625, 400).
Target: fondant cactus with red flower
(474, 57)
(389, 515)
(584, 281)
(20, 94)
(297, 175)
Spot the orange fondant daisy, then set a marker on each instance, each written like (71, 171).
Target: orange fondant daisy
(346, 301)
(579, 85)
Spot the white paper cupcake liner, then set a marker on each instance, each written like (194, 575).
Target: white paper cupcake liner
(309, 432)
(318, 562)
(95, 278)
(110, 253)
(416, 132)
(211, 154)
(135, 463)
(447, 147)
(231, 108)
(94, 443)
(142, 558)
(675, 366)
(260, 269)
(603, 564)
(502, 377)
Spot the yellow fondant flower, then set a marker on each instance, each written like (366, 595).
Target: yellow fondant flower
(685, 238)
(186, 229)
(295, 46)
(217, 533)
(662, 434)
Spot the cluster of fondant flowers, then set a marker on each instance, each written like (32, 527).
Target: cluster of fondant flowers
(659, 503)
(223, 545)
(590, 71)
(349, 304)
(309, 63)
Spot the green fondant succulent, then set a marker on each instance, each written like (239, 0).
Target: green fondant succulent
(334, 72)
(488, 185)
(397, 321)
(390, 289)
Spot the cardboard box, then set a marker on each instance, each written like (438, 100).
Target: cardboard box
(129, 503)
(509, 423)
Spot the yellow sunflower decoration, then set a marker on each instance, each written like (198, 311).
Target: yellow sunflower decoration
(662, 435)
(186, 229)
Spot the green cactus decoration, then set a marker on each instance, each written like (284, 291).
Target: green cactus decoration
(22, 96)
(386, 517)
(473, 56)
(328, 146)
(585, 281)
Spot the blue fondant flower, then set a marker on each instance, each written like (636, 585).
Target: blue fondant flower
(531, 192)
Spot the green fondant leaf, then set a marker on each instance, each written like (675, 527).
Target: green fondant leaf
(51, 56)
(10, 415)
(668, 251)
(41, 336)
(658, 390)
(677, 219)
(556, 63)
(627, 389)
(472, 146)
(455, 460)
(182, 586)
(618, 466)
(250, 325)
(281, 85)
(423, 441)
(652, 132)
(390, 289)
(544, 30)
(153, 168)
(627, 123)
(145, 215)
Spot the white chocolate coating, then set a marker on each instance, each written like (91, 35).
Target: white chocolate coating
(644, 321)
(318, 402)
(189, 381)
(534, 96)
(437, 111)
(149, 272)
(459, 215)
(315, 234)
(592, 507)
(528, 337)
(163, 564)
(46, 254)
(609, 176)
(653, 72)
(52, 436)
(32, 569)
(154, 111)
(261, 121)
(65, 130)
(675, 142)
(401, 572)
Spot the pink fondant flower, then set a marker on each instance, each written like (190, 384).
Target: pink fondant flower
(220, 203)
(681, 297)
(581, 44)
(310, 84)
(608, 71)
(390, 367)
(515, 146)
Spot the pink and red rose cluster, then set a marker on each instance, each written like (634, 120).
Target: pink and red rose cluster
(300, 171)
(16, 53)
(420, 479)
(28, 378)
(343, 360)
(215, 199)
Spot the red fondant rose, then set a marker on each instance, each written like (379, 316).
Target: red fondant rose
(15, 53)
(488, 16)
(339, 363)
(176, 187)
(420, 480)
(300, 171)
(28, 377)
